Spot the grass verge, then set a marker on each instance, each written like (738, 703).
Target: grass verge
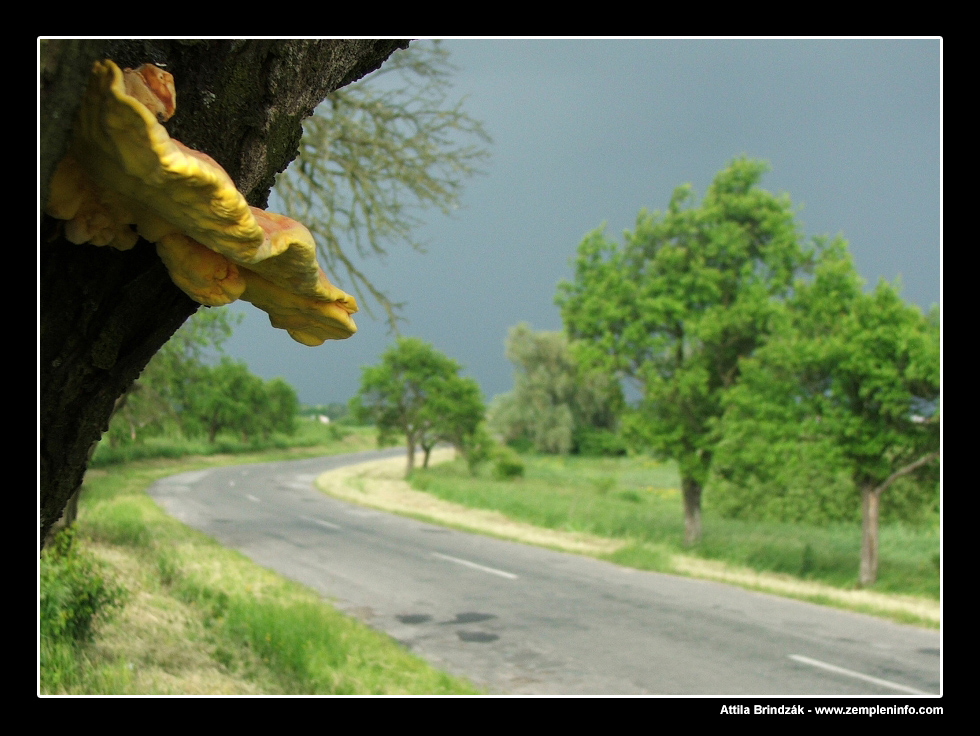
(627, 510)
(195, 618)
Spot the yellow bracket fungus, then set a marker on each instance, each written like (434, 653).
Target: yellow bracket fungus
(124, 177)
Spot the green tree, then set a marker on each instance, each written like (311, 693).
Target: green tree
(376, 154)
(679, 304)
(228, 398)
(283, 407)
(857, 375)
(158, 397)
(416, 392)
(452, 414)
(556, 399)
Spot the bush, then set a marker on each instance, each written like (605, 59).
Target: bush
(338, 432)
(73, 591)
(593, 442)
(521, 443)
(809, 483)
(508, 465)
(478, 448)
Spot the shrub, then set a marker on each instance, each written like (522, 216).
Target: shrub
(508, 465)
(595, 442)
(73, 591)
(478, 448)
(521, 443)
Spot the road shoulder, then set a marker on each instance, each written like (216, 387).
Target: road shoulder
(381, 484)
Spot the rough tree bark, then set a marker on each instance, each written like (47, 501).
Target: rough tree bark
(104, 313)
(870, 503)
(870, 508)
(692, 511)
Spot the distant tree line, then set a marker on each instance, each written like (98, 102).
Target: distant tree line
(334, 411)
(190, 389)
(558, 405)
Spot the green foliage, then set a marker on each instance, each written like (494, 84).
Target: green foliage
(854, 377)
(761, 477)
(793, 399)
(844, 396)
(597, 442)
(478, 448)
(507, 464)
(416, 393)
(689, 294)
(182, 391)
(547, 428)
(454, 411)
(556, 400)
(374, 155)
(175, 444)
(227, 397)
(281, 404)
(153, 404)
(73, 592)
(881, 406)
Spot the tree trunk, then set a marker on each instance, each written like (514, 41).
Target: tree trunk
(104, 313)
(410, 451)
(692, 510)
(868, 569)
(870, 502)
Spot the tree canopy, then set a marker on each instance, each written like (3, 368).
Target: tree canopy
(157, 397)
(230, 398)
(855, 374)
(680, 303)
(189, 387)
(416, 392)
(557, 403)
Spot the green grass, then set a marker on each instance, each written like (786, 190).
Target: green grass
(309, 435)
(196, 618)
(638, 499)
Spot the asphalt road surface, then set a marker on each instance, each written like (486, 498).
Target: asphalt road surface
(518, 619)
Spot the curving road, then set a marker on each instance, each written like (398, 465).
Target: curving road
(519, 619)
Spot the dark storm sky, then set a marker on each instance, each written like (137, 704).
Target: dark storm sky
(587, 132)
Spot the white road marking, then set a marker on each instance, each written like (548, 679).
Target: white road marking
(321, 522)
(857, 675)
(363, 513)
(253, 499)
(295, 485)
(192, 476)
(475, 566)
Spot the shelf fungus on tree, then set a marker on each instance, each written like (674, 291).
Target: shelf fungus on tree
(124, 177)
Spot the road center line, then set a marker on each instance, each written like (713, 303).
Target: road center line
(857, 675)
(475, 566)
(321, 522)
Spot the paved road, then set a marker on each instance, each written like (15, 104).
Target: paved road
(518, 619)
